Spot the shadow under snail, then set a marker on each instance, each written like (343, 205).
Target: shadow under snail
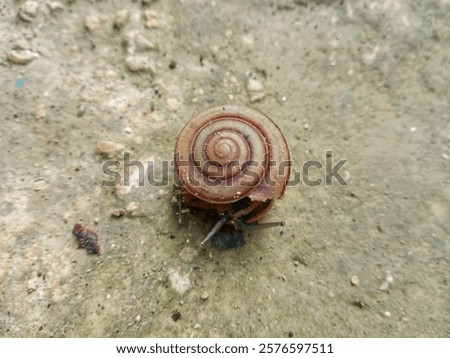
(233, 160)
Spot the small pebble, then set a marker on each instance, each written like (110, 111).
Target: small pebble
(40, 111)
(359, 303)
(128, 38)
(21, 57)
(152, 19)
(32, 285)
(28, 10)
(354, 280)
(95, 22)
(445, 156)
(21, 44)
(135, 42)
(138, 318)
(140, 64)
(173, 104)
(144, 44)
(257, 97)
(66, 217)
(134, 209)
(413, 129)
(388, 281)
(121, 18)
(128, 130)
(248, 39)
(204, 296)
(117, 213)
(109, 149)
(55, 6)
(254, 85)
(81, 110)
(387, 314)
(40, 185)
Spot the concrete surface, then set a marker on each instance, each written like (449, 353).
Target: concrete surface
(368, 80)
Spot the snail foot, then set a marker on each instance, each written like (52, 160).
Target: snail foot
(227, 238)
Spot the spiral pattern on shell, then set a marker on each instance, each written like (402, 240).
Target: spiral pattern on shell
(229, 152)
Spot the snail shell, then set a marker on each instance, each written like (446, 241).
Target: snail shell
(232, 157)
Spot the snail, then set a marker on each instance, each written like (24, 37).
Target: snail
(233, 160)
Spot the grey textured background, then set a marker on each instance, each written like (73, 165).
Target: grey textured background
(368, 80)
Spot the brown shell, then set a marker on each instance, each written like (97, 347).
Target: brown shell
(230, 152)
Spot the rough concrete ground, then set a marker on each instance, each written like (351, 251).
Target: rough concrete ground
(368, 80)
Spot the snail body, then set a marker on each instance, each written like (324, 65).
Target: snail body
(234, 160)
